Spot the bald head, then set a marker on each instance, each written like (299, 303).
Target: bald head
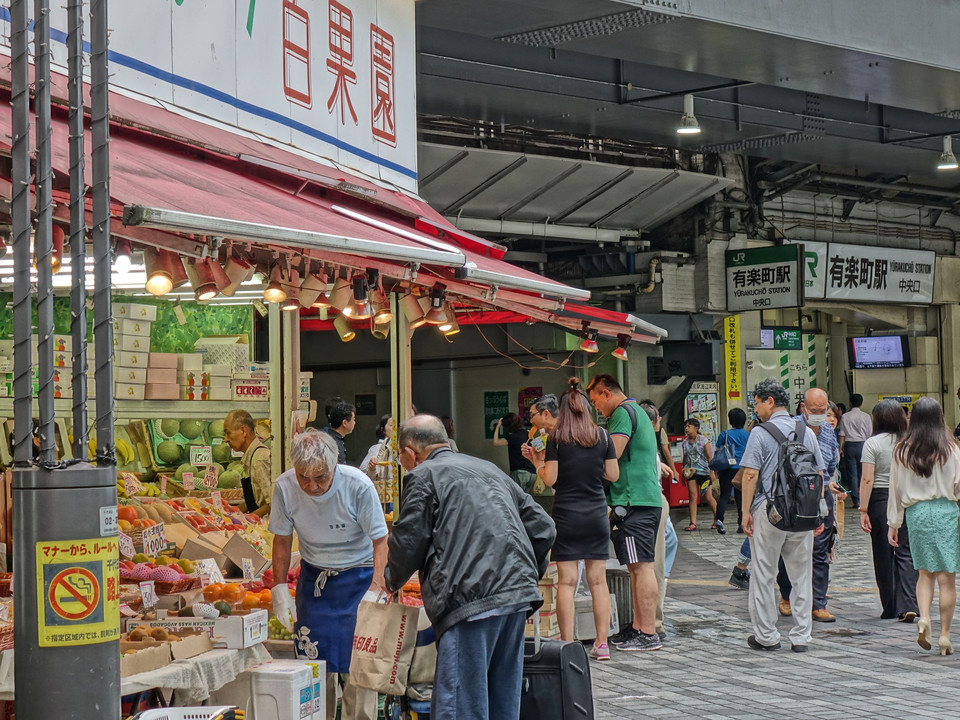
(422, 432)
(816, 401)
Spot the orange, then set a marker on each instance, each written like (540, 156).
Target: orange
(251, 601)
(266, 600)
(233, 593)
(213, 592)
(127, 513)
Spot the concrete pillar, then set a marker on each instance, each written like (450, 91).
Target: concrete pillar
(950, 360)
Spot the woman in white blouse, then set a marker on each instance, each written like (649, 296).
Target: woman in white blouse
(892, 566)
(925, 487)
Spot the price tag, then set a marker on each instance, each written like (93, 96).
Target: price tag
(126, 611)
(201, 455)
(188, 483)
(127, 548)
(154, 540)
(248, 574)
(210, 479)
(216, 499)
(204, 580)
(130, 488)
(148, 593)
(208, 566)
(163, 484)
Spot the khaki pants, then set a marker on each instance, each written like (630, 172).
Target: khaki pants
(658, 561)
(358, 703)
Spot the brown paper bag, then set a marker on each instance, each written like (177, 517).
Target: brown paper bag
(383, 646)
(424, 663)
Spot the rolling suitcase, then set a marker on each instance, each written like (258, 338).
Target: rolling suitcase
(556, 680)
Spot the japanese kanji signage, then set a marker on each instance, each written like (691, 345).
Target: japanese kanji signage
(732, 351)
(764, 278)
(862, 273)
(78, 593)
(335, 78)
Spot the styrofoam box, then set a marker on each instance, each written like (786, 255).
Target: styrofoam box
(162, 375)
(219, 381)
(128, 391)
(190, 362)
(584, 627)
(281, 690)
(132, 327)
(219, 394)
(218, 370)
(134, 311)
(161, 391)
(132, 359)
(168, 361)
(132, 375)
(131, 343)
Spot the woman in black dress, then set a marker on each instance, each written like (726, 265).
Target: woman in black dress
(579, 457)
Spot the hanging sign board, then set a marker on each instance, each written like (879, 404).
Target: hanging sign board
(764, 278)
(78, 592)
(732, 351)
(496, 404)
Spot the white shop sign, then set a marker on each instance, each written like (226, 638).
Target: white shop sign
(764, 278)
(335, 78)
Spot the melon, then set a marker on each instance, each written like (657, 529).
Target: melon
(215, 429)
(221, 453)
(141, 572)
(169, 427)
(186, 467)
(219, 468)
(237, 467)
(191, 429)
(228, 480)
(169, 452)
(164, 574)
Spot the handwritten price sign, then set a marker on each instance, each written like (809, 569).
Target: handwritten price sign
(126, 545)
(210, 479)
(201, 455)
(154, 540)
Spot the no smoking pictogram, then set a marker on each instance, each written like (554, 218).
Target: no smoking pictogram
(74, 593)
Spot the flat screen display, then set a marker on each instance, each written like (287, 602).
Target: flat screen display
(878, 351)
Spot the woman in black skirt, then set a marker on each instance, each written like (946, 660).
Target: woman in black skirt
(579, 457)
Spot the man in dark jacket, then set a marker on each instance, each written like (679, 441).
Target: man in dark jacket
(480, 544)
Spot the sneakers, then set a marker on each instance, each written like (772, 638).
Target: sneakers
(600, 652)
(740, 579)
(720, 528)
(754, 644)
(625, 635)
(784, 607)
(824, 615)
(641, 643)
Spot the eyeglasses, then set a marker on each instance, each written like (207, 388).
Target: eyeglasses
(534, 413)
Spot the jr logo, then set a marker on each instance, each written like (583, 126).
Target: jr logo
(739, 257)
(812, 262)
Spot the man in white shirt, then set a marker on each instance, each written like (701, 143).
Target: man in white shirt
(855, 427)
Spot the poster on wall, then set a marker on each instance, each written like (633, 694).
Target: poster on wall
(525, 399)
(732, 350)
(905, 399)
(496, 404)
(702, 404)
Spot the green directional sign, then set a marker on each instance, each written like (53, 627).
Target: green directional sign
(787, 340)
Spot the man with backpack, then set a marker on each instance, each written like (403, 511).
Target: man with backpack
(782, 495)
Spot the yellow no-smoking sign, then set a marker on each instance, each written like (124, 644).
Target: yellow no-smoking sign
(78, 600)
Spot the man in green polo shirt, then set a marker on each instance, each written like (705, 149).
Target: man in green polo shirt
(637, 504)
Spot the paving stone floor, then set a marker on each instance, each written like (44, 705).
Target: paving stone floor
(857, 667)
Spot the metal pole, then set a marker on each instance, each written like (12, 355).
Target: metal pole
(78, 230)
(20, 209)
(43, 240)
(102, 315)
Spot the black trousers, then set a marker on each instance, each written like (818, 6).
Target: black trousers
(726, 487)
(893, 567)
(821, 563)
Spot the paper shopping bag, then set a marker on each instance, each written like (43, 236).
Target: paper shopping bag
(383, 646)
(423, 666)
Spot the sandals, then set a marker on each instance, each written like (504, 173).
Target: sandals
(690, 528)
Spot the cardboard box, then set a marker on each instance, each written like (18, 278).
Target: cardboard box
(131, 343)
(161, 375)
(549, 595)
(134, 311)
(149, 655)
(132, 327)
(218, 370)
(132, 375)
(63, 343)
(251, 389)
(161, 391)
(179, 534)
(549, 629)
(233, 350)
(550, 576)
(192, 378)
(197, 549)
(255, 368)
(190, 362)
(220, 394)
(132, 359)
(190, 645)
(219, 381)
(199, 392)
(127, 391)
(237, 548)
(234, 632)
(167, 361)
(6, 364)
(62, 358)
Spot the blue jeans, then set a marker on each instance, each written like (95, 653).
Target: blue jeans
(670, 547)
(745, 555)
(479, 670)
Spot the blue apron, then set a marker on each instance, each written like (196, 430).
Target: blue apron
(327, 602)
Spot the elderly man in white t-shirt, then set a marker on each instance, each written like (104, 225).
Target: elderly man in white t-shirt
(343, 542)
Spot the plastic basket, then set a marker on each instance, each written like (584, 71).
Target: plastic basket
(5, 580)
(222, 712)
(6, 636)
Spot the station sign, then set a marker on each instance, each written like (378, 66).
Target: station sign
(764, 278)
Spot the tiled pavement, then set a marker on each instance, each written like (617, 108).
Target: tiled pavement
(857, 667)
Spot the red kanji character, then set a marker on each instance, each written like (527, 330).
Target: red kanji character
(296, 54)
(341, 60)
(112, 592)
(383, 117)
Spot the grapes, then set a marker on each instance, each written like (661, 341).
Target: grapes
(276, 631)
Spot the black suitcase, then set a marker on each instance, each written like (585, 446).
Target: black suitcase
(556, 680)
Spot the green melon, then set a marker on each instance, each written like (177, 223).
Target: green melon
(169, 427)
(215, 429)
(191, 429)
(228, 480)
(169, 452)
(186, 467)
(221, 453)
(219, 468)
(236, 466)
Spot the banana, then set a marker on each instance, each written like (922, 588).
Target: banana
(125, 453)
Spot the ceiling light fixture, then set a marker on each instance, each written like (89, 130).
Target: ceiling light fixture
(436, 314)
(202, 279)
(412, 311)
(274, 292)
(158, 264)
(341, 296)
(343, 328)
(948, 161)
(292, 288)
(623, 342)
(450, 326)
(239, 271)
(313, 291)
(379, 330)
(122, 255)
(362, 309)
(381, 305)
(588, 339)
(688, 123)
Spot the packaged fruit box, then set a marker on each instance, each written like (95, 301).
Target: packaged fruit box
(197, 520)
(170, 439)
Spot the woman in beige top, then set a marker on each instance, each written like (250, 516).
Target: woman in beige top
(925, 487)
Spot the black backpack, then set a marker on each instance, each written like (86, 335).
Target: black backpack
(793, 503)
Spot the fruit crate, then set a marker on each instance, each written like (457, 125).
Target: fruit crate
(157, 435)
